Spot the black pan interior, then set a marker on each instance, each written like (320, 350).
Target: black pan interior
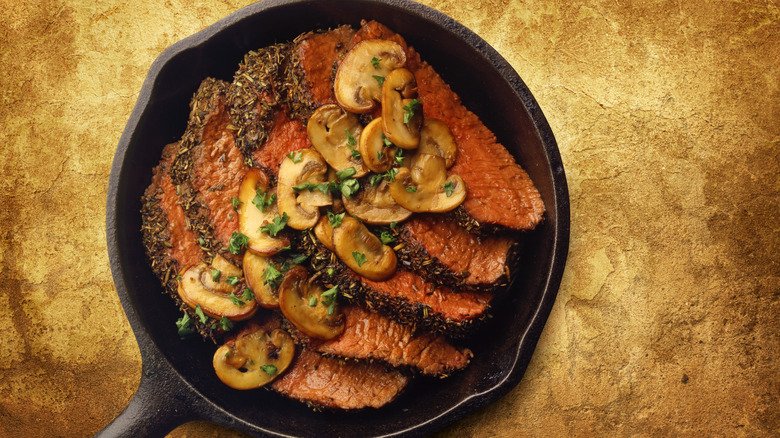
(487, 85)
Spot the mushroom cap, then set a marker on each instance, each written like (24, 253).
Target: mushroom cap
(375, 205)
(195, 288)
(251, 217)
(355, 86)
(401, 112)
(362, 251)
(328, 130)
(376, 154)
(302, 205)
(302, 303)
(426, 188)
(254, 359)
(254, 272)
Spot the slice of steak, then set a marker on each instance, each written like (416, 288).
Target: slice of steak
(369, 335)
(208, 169)
(405, 297)
(170, 245)
(500, 193)
(462, 259)
(318, 54)
(328, 382)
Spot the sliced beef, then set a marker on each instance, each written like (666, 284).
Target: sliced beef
(405, 297)
(170, 245)
(463, 259)
(318, 53)
(329, 382)
(369, 335)
(208, 169)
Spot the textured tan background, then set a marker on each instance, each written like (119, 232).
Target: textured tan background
(667, 115)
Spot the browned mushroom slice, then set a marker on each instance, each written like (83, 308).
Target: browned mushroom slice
(254, 359)
(299, 196)
(375, 205)
(307, 305)
(362, 251)
(437, 139)
(334, 132)
(196, 289)
(324, 232)
(401, 112)
(255, 267)
(377, 152)
(426, 187)
(358, 83)
(257, 208)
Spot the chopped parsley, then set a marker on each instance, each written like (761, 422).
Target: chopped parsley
(375, 62)
(225, 324)
(312, 301)
(238, 241)
(390, 174)
(248, 295)
(184, 326)
(295, 157)
(272, 276)
(386, 238)
(215, 273)
(276, 226)
(263, 199)
(232, 280)
(236, 202)
(329, 298)
(310, 186)
(411, 189)
(399, 156)
(409, 110)
(380, 79)
(202, 316)
(346, 173)
(448, 188)
(387, 141)
(234, 299)
(330, 272)
(375, 179)
(297, 259)
(335, 219)
(359, 257)
(349, 187)
(380, 154)
(269, 369)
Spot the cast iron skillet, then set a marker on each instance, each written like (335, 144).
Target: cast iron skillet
(178, 383)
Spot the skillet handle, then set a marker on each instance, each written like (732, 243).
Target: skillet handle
(162, 403)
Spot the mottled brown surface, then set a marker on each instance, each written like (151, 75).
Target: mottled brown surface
(667, 115)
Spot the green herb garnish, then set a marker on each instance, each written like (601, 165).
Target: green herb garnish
(269, 369)
(295, 157)
(448, 188)
(263, 199)
(215, 273)
(248, 295)
(379, 79)
(411, 189)
(238, 241)
(272, 276)
(236, 202)
(386, 237)
(346, 173)
(202, 316)
(375, 62)
(276, 226)
(409, 110)
(359, 257)
(234, 299)
(232, 280)
(184, 326)
(225, 324)
(335, 219)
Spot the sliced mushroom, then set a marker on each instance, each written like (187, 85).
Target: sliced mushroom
(426, 187)
(324, 232)
(254, 270)
(254, 359)
(220, 271)
(375, 205)
(357, 85)
(377, 155)
(362, 251)
(301, 204)
(302, 302)
(196, 289)
(328, 130)
(251, 217)
(437, 139)
(401, 112)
